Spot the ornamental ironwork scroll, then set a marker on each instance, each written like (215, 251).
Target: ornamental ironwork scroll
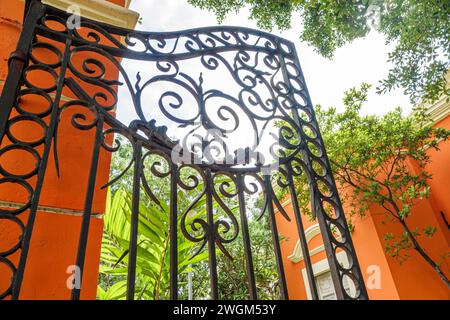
(222, 112)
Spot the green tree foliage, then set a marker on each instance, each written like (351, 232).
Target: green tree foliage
(418, 29)
(232, 275)
(371, 157)
(152, 266)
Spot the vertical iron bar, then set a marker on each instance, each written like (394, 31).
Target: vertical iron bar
(86, 219)
(246, 237)
(276, 239)
(17, 63)
(174, 233)
(132, 255)
(305, 157)
(301, 234)
(332, 261)
(42, 167)
(211, 236)
(323, 224)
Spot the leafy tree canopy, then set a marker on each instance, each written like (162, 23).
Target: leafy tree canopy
(371, 157)
(419, 29)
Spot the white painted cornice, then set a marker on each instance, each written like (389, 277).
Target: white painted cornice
(311, 232)
(100, 10)
(439, 109)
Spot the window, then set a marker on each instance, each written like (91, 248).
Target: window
(324, 282)
(325, 286)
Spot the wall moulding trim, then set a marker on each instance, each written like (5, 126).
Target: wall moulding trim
(45, 209)
(100, 10)
(310, 233)
(439, 110)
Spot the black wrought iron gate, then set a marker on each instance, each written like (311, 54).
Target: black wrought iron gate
(240, 119)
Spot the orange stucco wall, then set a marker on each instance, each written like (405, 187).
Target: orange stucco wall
(55, 237)
(440, 184)
(413, 279)
(369, 253)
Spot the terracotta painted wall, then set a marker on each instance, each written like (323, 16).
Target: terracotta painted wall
(414, 279)
(55, 237)
(440, 184)
(368, 249)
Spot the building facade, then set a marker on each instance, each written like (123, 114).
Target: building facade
(385, 276)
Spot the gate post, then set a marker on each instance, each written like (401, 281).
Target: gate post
(49, 265)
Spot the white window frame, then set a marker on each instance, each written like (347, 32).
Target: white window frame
(322, 267)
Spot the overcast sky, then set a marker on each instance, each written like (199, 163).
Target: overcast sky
(364, 60)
